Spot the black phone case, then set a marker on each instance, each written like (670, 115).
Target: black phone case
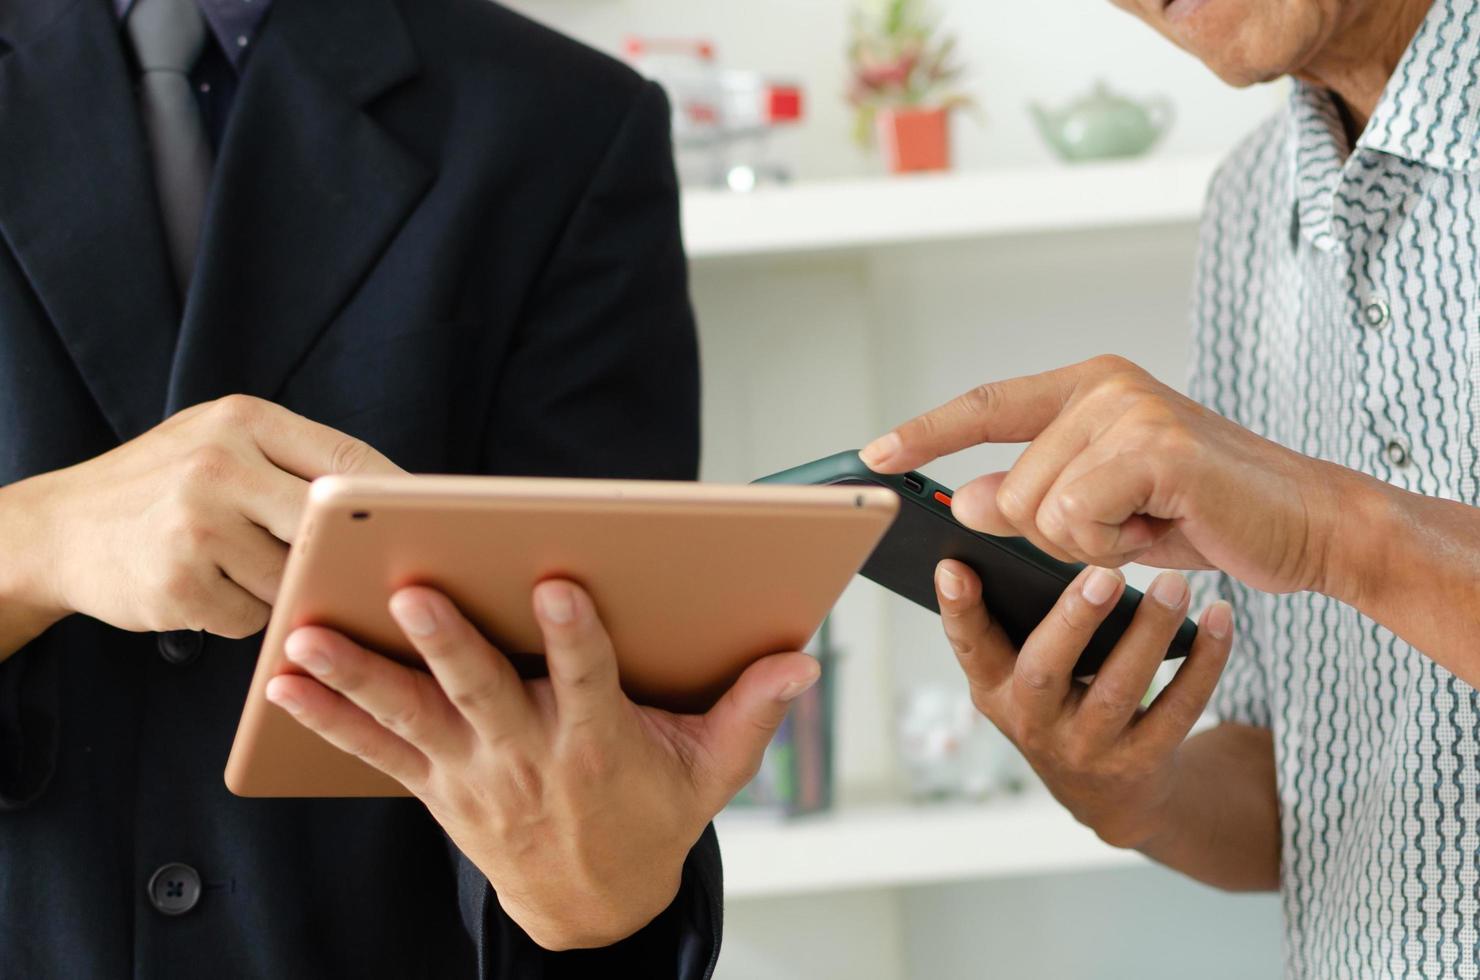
(1020, 583)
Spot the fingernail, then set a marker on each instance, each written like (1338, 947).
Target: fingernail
(414, 615)
(1100, 586)
(950, 584)
(881, 450)
(1219, 620)
(557, 604)
(290, 705)
(307, 656)
(1169, 589)
(797, 688)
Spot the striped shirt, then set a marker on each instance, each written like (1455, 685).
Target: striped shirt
(1337, 311)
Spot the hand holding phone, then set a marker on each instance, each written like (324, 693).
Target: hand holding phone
(1020, 583)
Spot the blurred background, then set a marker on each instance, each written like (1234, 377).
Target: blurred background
(877, 220)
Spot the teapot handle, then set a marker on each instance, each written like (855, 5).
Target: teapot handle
(1163, 112)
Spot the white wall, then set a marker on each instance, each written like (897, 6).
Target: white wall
(848, 936)
(1017, 51)
(1133, 924)
(1138, 924)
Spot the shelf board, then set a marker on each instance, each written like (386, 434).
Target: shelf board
(899, 845)
(874, 212)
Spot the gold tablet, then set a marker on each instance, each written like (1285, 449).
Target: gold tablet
(693, 582)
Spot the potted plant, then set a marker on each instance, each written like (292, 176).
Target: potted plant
(904, 83)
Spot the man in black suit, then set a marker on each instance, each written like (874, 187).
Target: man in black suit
(430, 227)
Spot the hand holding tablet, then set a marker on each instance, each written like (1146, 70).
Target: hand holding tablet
(408, 603)
(693, 584)
(579, 806)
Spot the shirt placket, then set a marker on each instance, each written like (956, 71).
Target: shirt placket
(1371, 317)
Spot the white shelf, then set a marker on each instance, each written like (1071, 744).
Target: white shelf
(903, 845)
(873, 212)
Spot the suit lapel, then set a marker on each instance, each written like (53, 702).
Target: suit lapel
(77, 204)
(308, 191)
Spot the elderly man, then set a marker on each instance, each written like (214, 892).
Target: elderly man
(1327, 473)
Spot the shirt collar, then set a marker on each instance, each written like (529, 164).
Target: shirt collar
(1430, 111)
(1321, 150)
(234, 23)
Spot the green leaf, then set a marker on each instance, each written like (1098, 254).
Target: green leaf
(899, 56)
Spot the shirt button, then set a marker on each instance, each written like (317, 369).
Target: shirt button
(181, 647)
(1376, 313)
(174, 889)
(1399, 454)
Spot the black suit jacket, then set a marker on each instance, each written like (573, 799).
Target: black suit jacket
(435, 226)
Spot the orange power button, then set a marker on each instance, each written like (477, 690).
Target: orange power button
(942, 498)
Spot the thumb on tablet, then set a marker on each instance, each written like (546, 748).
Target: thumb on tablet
(737, 730)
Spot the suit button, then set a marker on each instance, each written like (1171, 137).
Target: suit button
(174, 889)
(181, 647)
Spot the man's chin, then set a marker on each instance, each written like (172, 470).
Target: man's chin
(1239, 75)
(1237, 40)
(1242, 64)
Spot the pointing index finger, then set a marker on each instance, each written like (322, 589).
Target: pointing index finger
(1001, 411)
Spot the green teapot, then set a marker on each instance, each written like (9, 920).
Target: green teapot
(1104, 125)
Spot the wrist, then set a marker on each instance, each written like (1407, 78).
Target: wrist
(592, 928)
(27, 600)
(1161, 831)
(1356, 540)
(585, 920)
(1135, 819)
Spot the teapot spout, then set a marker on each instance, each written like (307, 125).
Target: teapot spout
(1049, 123)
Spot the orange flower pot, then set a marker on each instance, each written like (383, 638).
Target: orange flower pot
(915, 140)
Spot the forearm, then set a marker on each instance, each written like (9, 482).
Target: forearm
(1411, 563)
(22, 617)
(1225, 825)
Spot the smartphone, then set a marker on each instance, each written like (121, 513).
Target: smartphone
(1020, 583)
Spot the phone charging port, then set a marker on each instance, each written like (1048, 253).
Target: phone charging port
(914, 484)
